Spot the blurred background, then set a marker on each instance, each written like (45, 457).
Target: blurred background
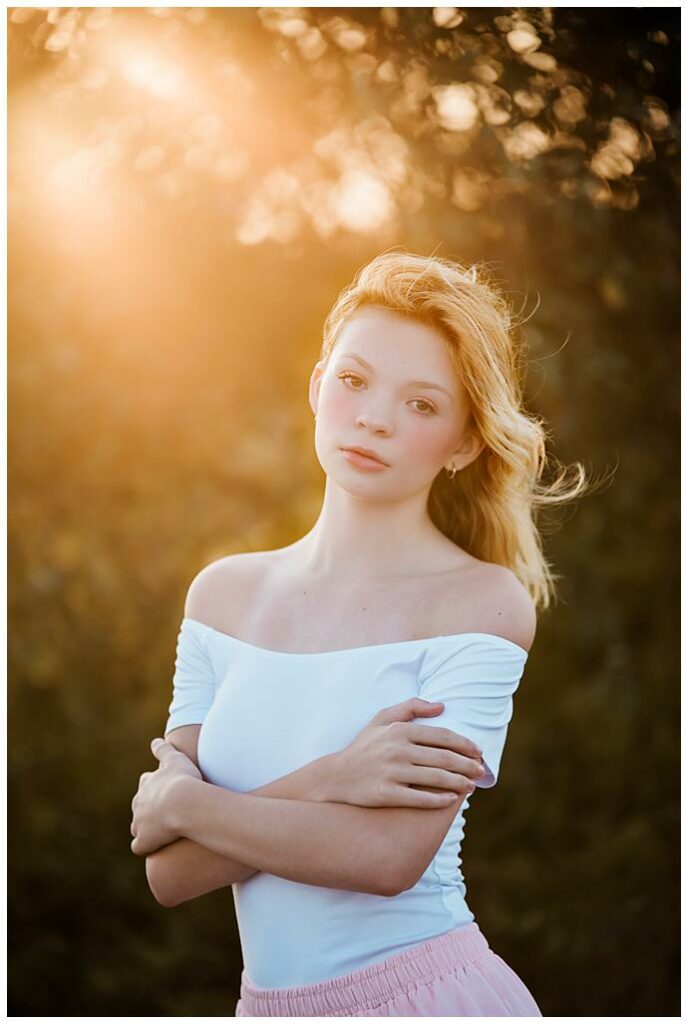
(189, 189)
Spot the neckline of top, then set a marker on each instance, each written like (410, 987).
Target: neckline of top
(352, 650)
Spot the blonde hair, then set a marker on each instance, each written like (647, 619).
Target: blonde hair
(490, 507)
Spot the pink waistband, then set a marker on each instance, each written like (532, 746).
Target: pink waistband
(369, 986)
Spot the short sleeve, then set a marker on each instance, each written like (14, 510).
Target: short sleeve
(476, 683)
(193, 684)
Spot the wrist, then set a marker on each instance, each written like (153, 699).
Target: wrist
(330, 788)
(183, 791)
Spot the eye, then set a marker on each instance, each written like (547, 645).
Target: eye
(342, 376)
(429, 406)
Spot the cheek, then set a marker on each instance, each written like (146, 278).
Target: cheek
(336, 404)
(427, 443)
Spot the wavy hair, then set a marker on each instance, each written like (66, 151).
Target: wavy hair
(489, 508)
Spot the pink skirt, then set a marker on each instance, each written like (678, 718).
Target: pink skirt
(450, 975)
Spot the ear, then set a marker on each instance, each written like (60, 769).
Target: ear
(469, 450)
(315, 383)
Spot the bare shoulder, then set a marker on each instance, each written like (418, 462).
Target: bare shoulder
(217, 593)
(509, 608)
(499, 603)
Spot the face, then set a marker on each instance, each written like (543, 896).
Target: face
(389, 385)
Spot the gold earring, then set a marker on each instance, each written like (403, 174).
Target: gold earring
(451, 473)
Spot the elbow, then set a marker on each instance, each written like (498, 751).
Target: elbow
(392, 881)
(400, 877)
(397, 869)
(156, 883)
(390, 886)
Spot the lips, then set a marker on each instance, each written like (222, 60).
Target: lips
(367, 452)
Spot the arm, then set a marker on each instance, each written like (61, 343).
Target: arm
(361, 849)
(186, 869)
(192, 866)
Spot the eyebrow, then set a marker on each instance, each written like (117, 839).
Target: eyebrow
(410, 383)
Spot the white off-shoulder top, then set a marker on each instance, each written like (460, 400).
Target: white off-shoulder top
(265, 713)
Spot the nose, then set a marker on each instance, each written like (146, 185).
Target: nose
(374, 423)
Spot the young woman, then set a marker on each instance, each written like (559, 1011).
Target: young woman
(337, 701)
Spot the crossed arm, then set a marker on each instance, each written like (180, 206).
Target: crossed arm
(300, 833)
(186, 869)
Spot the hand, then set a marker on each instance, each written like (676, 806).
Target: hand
(392, 756)
(154, 799)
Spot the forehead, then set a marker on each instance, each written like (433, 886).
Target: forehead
(387, 338)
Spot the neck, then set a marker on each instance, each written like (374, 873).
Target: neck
(356, 539)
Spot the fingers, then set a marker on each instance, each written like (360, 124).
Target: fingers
(159, 747)
(142, 779)
(437, 778)
(407, 710)
(409, 796)
(437, 736)
(164, 750)
(436, 758)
